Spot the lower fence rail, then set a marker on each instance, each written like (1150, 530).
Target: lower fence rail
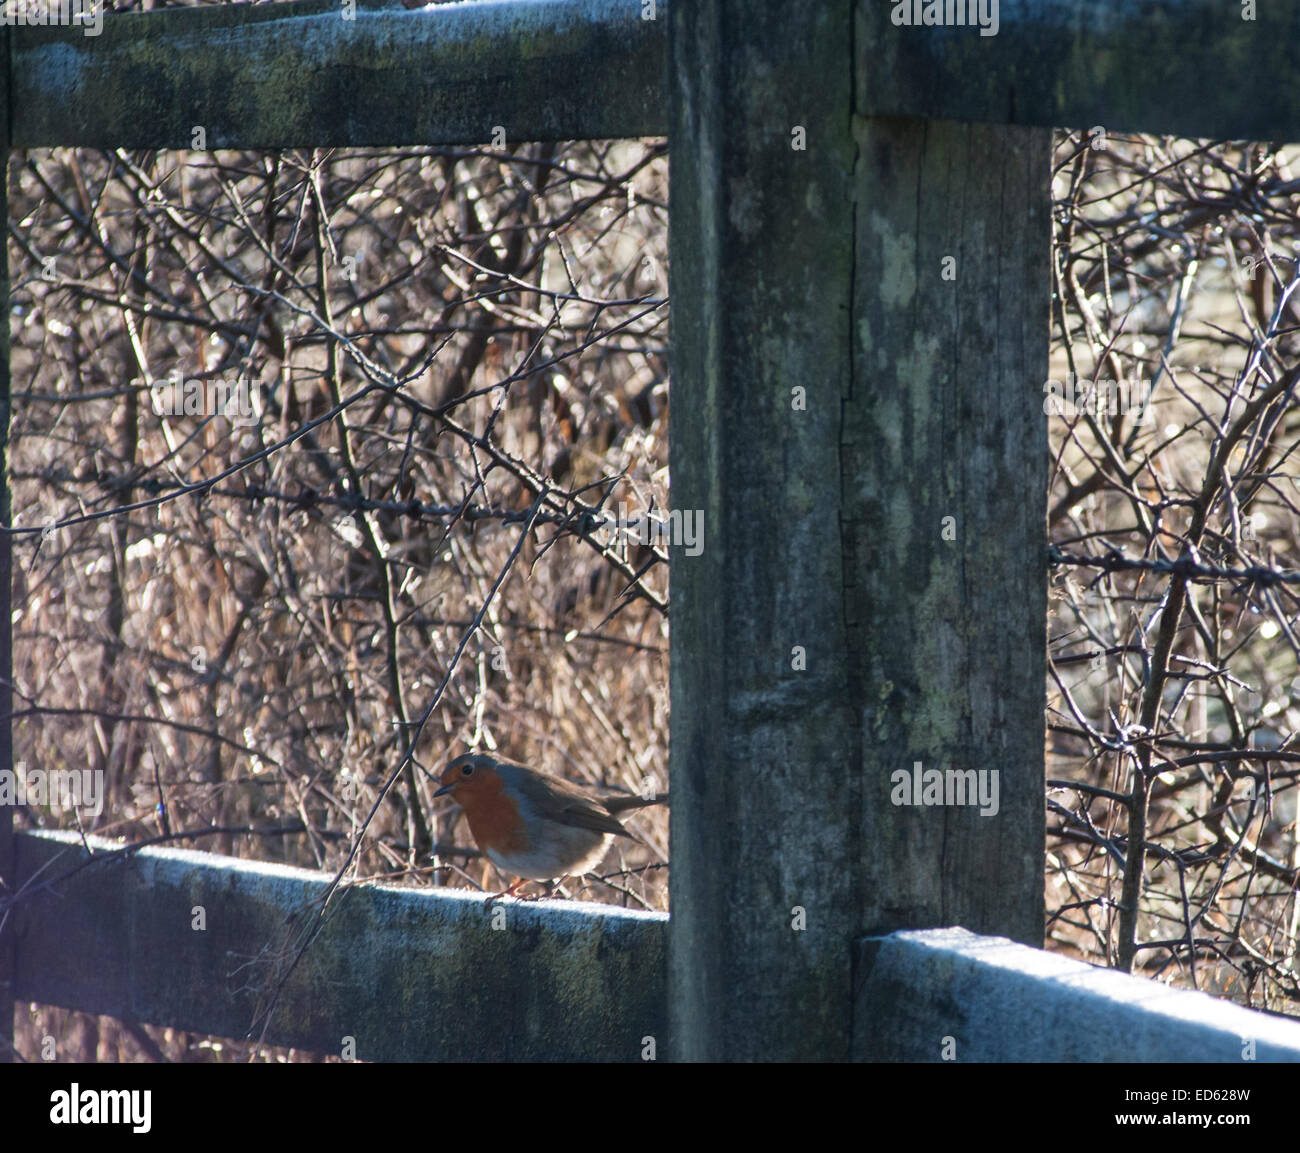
(202, 942)
(936, 993)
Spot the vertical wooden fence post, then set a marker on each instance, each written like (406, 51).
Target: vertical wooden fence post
(859, 325)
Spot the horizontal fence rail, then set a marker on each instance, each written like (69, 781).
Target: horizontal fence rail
(1189, 67)
(415, 974)
(410, 974)
(999, 1001)
(301, 75)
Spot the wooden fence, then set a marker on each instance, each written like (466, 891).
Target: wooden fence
(865, 438)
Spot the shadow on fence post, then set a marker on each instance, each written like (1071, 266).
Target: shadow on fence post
(860, 327)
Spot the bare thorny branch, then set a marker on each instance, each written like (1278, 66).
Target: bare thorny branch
(1174, 663)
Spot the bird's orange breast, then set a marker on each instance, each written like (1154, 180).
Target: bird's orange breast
(493, 815)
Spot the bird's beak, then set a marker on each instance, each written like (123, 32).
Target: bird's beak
(444, 789)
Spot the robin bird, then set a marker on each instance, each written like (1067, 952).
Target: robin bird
(532, 825)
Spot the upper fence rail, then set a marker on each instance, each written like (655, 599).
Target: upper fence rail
(1184, 67)
(305, 75)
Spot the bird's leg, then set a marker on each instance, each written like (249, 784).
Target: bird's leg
(510, 892)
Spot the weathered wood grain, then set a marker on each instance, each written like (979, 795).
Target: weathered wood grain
(949, 995)
(409, 974)
(822, 270)
(944, 437)
(1190, 67)
(301, 75)
(765, 763)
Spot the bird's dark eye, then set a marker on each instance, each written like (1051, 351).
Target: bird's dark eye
(465, 770)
